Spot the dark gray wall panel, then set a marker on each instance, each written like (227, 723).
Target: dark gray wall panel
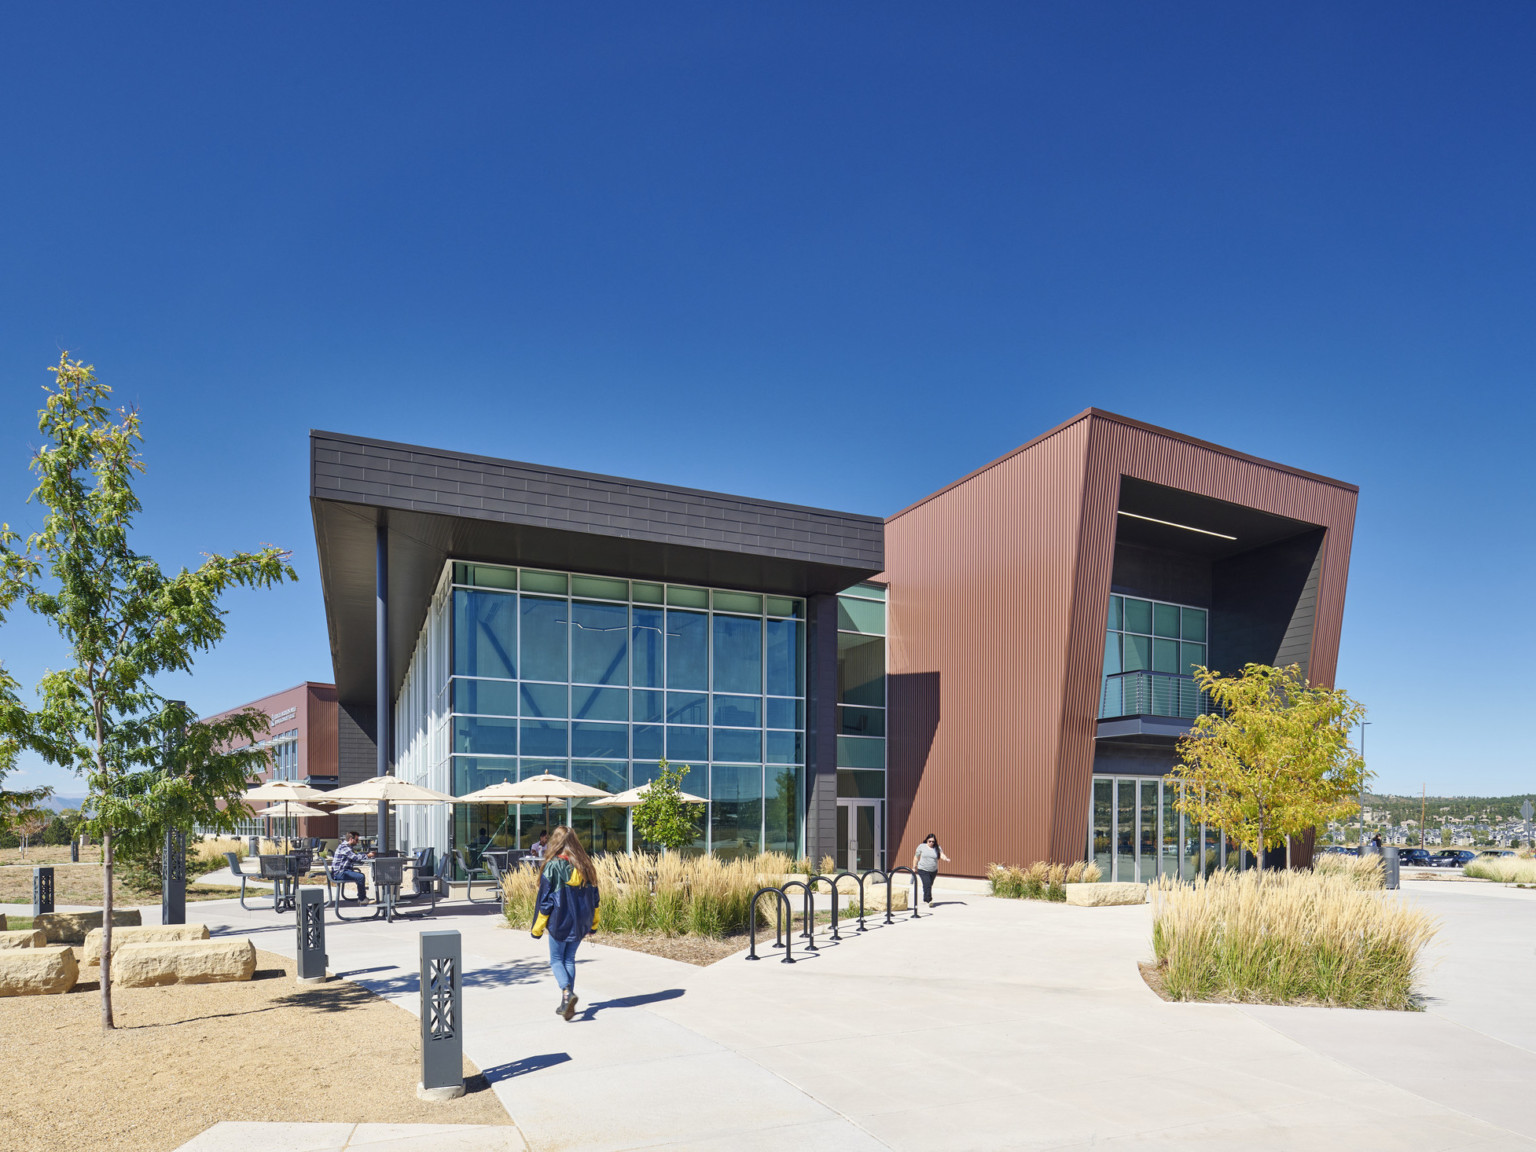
(1161, 574)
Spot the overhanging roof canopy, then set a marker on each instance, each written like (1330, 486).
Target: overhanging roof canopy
(439, 504)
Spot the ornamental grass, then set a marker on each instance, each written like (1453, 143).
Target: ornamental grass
(1504, 869)
(1287, 938)
(1367, 871)
(1040, 881)
(667, 895)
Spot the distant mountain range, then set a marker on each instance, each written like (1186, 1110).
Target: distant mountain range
(59, 803)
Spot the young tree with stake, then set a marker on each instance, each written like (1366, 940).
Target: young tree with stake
(123, 619)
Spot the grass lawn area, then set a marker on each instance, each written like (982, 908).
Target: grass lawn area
(81, 884)
(47, 854)
(189, 1055)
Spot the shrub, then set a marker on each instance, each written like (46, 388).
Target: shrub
(1366, 871)
(1505, 869)
(1040, 881)
(1287, 938)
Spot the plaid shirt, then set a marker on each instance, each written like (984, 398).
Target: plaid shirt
(346, 859)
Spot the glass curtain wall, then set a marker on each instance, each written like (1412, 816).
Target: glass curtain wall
(861, 731)
(1135, 833)
(1151, 649)
(421, 729)
(599, 679)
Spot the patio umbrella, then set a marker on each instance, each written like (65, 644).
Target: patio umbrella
(540, 789)
(288, 808)
(287, 792)
(636, 796)
(390, 790)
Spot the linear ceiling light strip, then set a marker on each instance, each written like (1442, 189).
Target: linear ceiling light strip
(1171, 524)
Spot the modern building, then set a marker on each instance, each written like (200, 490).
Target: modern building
(301, 739)
(1028, 630)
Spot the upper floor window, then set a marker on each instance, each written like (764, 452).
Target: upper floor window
(1151, 649)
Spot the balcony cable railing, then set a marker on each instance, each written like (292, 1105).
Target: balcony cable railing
(1146, 693)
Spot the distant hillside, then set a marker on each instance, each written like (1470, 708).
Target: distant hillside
(1451, 807)
(59, 803)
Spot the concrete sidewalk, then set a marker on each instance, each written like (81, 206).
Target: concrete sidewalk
(990, 1024)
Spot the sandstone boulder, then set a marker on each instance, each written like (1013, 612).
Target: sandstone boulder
(37, 971)
(1101, 895)
(874, 899)
(2, 921)
(183, 962)
(71, 927)
(150, 934)
(31, 938)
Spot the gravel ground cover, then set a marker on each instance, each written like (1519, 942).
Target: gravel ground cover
(700, 950)
(188, 1056)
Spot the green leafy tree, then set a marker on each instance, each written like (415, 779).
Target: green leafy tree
(664, 817)
(1274, 760)
(123, 619)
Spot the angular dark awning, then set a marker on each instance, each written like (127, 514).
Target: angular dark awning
(440, 504)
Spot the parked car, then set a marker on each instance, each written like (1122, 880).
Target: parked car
(1414, 858)
(1338, 850)
(1453, 858)
(1490, 853)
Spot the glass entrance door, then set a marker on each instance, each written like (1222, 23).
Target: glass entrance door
(858, 834)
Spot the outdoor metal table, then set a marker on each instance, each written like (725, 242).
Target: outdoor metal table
(280, 871)
(387, 874)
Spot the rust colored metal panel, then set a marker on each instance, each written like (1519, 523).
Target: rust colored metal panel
(981, 583)
(999, 587)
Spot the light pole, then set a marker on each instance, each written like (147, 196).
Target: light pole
(1364, 724)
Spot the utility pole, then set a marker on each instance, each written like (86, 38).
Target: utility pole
(1422, 788)
(1363, 725)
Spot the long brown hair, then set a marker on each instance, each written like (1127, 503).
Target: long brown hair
(563, 842)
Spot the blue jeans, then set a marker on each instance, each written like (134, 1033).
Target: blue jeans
(562, 961)
(352, 876)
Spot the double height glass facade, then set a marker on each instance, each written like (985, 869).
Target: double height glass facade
(599, 679)
(861, 729)
(1137, 833)
(1151, 649)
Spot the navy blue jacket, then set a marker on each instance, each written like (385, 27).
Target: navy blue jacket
(567, 904)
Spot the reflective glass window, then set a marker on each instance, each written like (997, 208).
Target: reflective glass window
(544, 582)
(484, 735)
(485, 697)
(786, 713)
(1165, 620)
(1170, 840)
(547, 700)
(687, 597)
(602, 587)
(648, 644)
(1165, 656)
(1116, 615)
(738, 654)
(1149, 841)
(472, 773)
(687, 650)
(648, 742)
(650, 707)
(545, 639)
(1125, 831)
(860, 785)
(544, 738)
(858, 752)
(781, 809)
(781, 606)
(786, 748)
(599, 643)
(1138, 616)
(1194, 624)
(1137, 652)
(860, 670)
(1191, 656)
(643, 593)
(599, 704)
(738, 602)
(736, 810)
(484, 633)
(785, 658)
(738, 711)
(860, 616)
(1102, 848)
(687, 708)
(688, 745)
(742, 745)
(860, 721)
(601, 740)
(1111, 654)
(492, 576)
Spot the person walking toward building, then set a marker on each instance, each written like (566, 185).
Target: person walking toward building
(926, 862)
(566, 910)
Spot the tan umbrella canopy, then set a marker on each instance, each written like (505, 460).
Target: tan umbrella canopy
(541, 789)
(358, 809)
(391, 789)
(288, 808)
(284, 790)
(636, 796)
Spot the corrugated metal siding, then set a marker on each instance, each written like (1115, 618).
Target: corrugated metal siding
(999, 587)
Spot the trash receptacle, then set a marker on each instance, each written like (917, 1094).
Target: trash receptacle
(1389, 868)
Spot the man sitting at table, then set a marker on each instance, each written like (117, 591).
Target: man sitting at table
(347, 868)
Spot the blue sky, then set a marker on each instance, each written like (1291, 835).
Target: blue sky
(828, 254)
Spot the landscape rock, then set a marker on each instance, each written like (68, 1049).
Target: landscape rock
(2, 921)
(23, 938)
(150, 934)
(37, 971)
(183, 962)
(71, 927)
(1102, 895)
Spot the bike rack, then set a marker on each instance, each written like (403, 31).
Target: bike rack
(859, 880)
(808, 919)
(781, 911)
(811, 884)
(915, 901)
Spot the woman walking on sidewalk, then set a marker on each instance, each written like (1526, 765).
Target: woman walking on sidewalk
(926, 862)
(566, 910)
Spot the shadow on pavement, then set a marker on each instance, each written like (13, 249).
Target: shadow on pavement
(522, 1067)
(630, 1001)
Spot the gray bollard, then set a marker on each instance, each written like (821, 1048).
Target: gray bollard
(42, 891)
(74, 851)
(253, 846)
(173, 878)
(442, 1016)
(311, 930)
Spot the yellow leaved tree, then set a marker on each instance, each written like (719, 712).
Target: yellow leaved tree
(1273, 759)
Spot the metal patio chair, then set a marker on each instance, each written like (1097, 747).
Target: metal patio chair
(234, 867)
(470, 876)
